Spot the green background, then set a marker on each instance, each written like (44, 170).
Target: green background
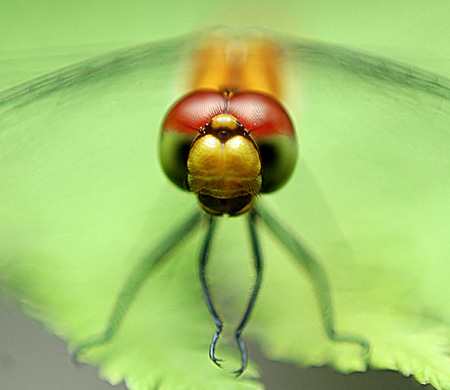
(36, 36)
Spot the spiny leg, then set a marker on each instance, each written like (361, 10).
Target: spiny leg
(317, 277)
(204, 256)
(137, 278)
(259, 273)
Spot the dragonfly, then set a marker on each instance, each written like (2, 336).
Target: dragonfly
(234, 96)
(228, 142)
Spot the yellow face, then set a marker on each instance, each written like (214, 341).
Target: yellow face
(222, 164)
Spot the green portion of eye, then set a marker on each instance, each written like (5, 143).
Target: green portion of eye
(278, 157)
(174, 151)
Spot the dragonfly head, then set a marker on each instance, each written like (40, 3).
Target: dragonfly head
(228, 148)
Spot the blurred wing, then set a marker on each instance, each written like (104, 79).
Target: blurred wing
(371, 194)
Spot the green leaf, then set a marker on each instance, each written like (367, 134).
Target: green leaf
(83, 199)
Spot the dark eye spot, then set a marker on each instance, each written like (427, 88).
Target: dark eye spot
(269, 154)
(182, 153)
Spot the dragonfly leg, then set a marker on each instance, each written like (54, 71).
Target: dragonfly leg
(258, 263)
(136, 280)
(318, 278)
(204, 257)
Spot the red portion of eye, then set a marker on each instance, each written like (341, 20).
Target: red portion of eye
(194, 111)
(260, 114)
